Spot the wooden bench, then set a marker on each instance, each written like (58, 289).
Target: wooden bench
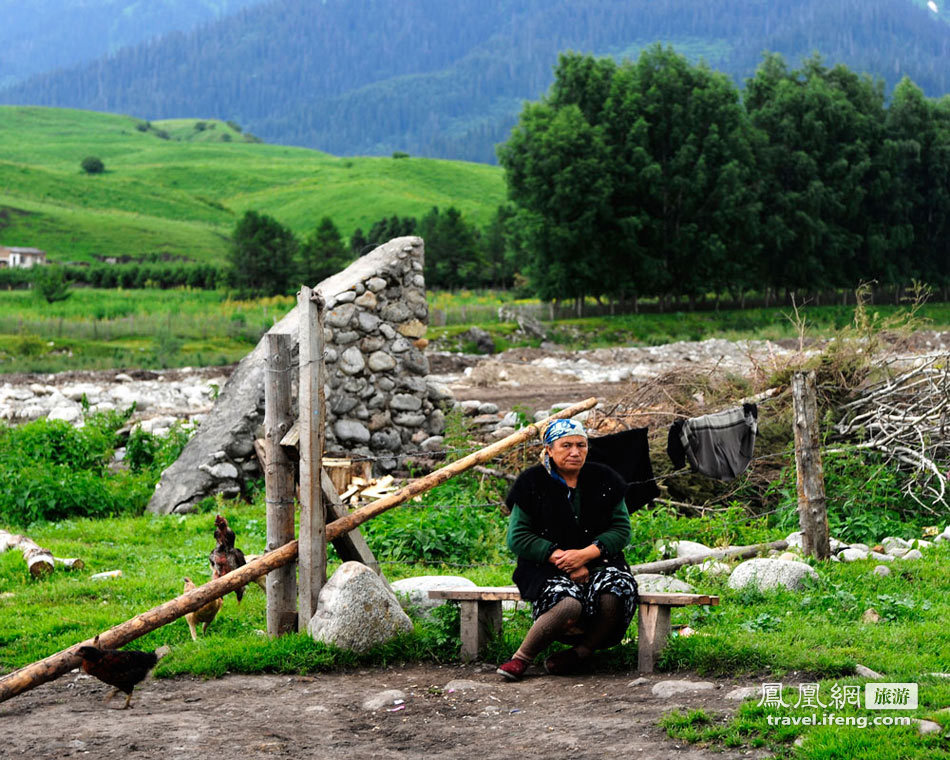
(481, 618)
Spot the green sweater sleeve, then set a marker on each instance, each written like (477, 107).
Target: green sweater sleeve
(617, 536)
(523, 540)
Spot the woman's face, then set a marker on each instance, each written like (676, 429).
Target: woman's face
(568, 453)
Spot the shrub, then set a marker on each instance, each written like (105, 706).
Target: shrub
(400, 154)
(93, 165)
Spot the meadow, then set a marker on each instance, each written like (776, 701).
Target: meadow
(172, 187)
(153, 328)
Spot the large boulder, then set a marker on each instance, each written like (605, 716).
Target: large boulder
(414, 592)
(356, 610)
(768, 574)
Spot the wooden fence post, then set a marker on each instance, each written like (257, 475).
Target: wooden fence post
(812, 505)
(279, 484)
(312, 561)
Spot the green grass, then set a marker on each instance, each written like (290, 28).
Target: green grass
(182, 195)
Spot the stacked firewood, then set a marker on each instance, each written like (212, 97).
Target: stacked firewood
(906, 417)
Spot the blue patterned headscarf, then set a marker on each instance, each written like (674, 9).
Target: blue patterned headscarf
(558, 429)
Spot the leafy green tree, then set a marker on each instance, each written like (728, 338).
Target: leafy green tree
(685, 197)
(452, 252)
(822, 128)
(391, 227)
(323, 253)
(92, 165)
(917, 147)
(263, 255)
(50, 283)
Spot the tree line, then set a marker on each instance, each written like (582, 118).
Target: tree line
(266, 257)
(660, 178)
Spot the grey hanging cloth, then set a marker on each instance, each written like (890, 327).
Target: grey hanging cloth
(718, 445)
(628, 454)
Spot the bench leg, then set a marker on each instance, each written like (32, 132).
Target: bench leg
(480, 620)
(653, 630)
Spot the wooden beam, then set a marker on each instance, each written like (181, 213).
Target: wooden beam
(62, 662)
(313, 539)
(739, 552)
(812, 505)
(281, 584)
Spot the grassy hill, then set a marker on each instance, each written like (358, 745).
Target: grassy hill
(171, 187)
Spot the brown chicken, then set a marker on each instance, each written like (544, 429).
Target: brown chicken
(226, 556)
(123, 669)
(203, 614)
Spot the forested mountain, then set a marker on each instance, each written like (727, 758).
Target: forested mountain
(441, 78)
(41, 35)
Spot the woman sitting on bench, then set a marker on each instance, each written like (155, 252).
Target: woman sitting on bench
(568, 528)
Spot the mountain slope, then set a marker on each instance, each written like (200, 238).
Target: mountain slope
(182, 196)
(448, 79)
(41, 35)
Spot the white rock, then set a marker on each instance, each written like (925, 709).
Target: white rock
(384, 699)
(927, 727)
(350, 430)
(638, 681)
(77, 391)
(895, 546)
(744, 692)
(768, 574)
(689, 548)
(713, 567)
(790, 556)
(462, 684)
(794, 539)
(862, 547)
(356, 610)
(415, 591)
(667, 689)
(882, 570)
(852, 555)
(912, 554)
(70, 413)
(866, 672)
(655, 583)
(920, 543)
(882, 557)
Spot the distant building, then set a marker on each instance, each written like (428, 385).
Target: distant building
(14, 256)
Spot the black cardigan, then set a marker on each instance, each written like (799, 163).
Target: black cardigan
(546, 501)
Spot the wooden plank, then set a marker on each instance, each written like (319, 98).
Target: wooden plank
(291, 438)
(653, 630)
(812, 505)
(281, 584)
(506, 593)
(313, 544)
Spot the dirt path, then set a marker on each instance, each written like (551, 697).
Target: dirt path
(249, 717)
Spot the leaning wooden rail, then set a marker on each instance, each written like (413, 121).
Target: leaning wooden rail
(62, 662)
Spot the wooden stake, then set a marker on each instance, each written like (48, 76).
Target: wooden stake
(812, 505)
(279, 483)
(62, 662)
(313, 540)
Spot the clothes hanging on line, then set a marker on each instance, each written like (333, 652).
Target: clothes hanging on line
(628, 454)
(718, 445)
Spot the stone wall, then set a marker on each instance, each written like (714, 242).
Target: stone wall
(379, 403)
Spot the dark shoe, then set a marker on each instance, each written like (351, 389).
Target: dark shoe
(563, 663)
(513, 670)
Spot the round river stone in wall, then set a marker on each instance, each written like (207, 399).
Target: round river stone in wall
(379, 361)
(403, 402)
(349, 430)
(351, 361)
